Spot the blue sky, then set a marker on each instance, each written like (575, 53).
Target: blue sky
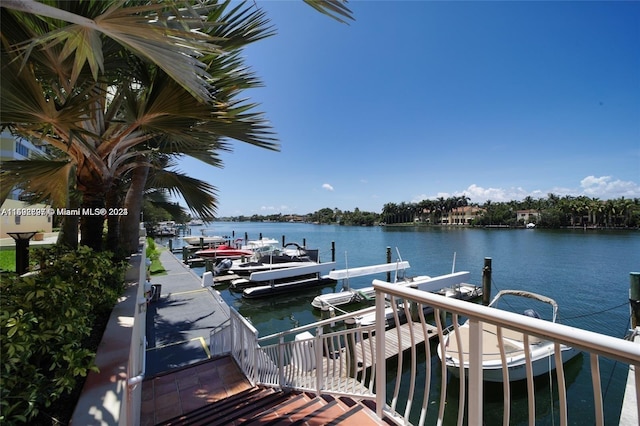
(416, 100)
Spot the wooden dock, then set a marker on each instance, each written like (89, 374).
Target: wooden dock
(397, 339)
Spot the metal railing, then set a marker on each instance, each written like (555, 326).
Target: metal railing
(340, 356)
(594, 345)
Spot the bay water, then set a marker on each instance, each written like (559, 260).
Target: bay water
(585, 271)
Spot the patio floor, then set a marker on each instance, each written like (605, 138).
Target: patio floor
(183, 390)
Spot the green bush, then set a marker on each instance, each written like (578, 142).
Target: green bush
(45, 321)
(153, 254)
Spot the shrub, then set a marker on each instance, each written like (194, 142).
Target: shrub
(45, 321)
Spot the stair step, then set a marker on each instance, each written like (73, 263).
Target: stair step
(241, 413)
(219, 408)
(275, 414)
(264, 406)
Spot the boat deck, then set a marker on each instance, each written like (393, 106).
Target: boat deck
(513, 342)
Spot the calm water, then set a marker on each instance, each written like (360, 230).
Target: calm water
(586, 272)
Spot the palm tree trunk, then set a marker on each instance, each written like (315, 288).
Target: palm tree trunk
(113, 220)
(130, 224)
(68, 235)
(92, 220)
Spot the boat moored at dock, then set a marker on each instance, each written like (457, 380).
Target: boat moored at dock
(285, 280)
(350, 295)
(505, 359)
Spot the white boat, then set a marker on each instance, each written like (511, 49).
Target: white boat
(207, 240)
(260, 243)
(454, 284)
(540, 351)
(349, 295)
(530, 225)
(166, 229)
(196, 222)
(270, 257)
(285, 280)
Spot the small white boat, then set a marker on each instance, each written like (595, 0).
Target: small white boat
(269, 257)
(285, 280)
(349, 295)
(541, 351)
(530, 225)
(454, 284)
(166, 229)
(224, 251)
(262, 243)
(207, 240)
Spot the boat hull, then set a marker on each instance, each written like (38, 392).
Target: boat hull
(224, 254)
(541, 364)
(283, 288)
(515, 346)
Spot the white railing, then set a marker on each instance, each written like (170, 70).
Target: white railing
(339, 356)
(593, 344)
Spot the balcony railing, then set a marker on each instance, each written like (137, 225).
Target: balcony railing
(341, 356)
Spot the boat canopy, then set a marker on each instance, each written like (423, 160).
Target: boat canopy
(528, 294)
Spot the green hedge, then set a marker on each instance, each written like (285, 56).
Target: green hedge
(46, 320)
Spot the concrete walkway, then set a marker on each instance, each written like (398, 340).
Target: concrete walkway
(180, 322)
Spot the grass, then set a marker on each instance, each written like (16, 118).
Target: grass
(8, 260)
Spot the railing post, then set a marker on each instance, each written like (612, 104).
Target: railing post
(351, 347)
(232, 336)
(319, 364)
(254, 358)
(281, 361)
(381, 365)
(475, 372)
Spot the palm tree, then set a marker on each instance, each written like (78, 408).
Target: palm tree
(109, 82)
(139, 88)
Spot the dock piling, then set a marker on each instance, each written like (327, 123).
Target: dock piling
(486, 281)
(634, 298)
(388, 261)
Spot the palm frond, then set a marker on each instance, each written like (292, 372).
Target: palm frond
(43, 179)
(141, 29)
(200, 196)
(336, 9)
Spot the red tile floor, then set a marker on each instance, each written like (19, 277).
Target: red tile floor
(179, 392)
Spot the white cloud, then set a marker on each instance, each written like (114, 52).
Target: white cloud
(327, 187)
(282, 208)
(605, 187)
(479, 194)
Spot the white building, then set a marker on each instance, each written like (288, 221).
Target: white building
(17, 215)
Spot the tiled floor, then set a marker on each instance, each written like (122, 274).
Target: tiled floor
(184, 390)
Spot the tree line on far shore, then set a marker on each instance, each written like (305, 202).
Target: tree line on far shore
(552, 211)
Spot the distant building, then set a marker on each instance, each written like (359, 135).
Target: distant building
(16, 215)
(461, 215)
(528, 216)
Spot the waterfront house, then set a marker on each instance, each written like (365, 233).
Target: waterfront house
(462, 215)
(528, 216)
